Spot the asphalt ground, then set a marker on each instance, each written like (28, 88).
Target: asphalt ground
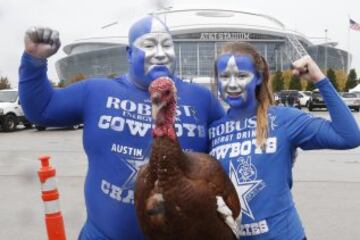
(326, 185)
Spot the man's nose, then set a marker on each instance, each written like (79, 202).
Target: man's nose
(160, 53)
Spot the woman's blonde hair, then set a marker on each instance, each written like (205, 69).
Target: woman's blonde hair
(263, 91)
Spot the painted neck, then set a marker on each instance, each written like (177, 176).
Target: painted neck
(244, 111)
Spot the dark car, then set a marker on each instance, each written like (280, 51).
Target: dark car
(316, 101)
(290, 98)
(276, 98)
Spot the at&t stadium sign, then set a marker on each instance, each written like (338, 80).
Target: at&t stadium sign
(224, 36)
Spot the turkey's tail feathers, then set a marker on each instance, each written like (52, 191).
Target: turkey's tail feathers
(227, 215)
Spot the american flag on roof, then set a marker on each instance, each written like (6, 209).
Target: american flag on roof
(354, 25)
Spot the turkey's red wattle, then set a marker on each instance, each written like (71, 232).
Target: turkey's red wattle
(164, 131)
(164, 123)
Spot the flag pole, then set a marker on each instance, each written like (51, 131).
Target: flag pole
(349, 53)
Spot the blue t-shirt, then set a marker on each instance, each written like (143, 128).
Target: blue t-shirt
(263, 177)
(116, 137)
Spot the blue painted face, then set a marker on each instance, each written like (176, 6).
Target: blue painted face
(151, 52)
(237, 79)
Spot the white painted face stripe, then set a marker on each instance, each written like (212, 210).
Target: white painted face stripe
(49, 184)
(157, 26)
(51, 207)
(231, 65)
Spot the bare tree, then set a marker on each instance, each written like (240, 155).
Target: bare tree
(4, 83)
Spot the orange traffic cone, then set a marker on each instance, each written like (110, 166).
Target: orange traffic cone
(50, 196)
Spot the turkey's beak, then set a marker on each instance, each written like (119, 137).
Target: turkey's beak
(156, 104)
(155, 108)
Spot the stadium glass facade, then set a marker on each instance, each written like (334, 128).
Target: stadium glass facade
(196, 51)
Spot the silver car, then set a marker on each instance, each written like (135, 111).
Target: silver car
(351, 100)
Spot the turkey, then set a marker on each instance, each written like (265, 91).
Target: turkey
(182, 195)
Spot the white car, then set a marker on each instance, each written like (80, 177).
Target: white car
(304, 97)
(11, 113)
(351, 100)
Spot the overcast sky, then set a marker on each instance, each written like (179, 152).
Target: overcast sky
(81, 18)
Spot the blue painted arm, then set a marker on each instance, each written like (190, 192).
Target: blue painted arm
(41, 103)
(308, 132)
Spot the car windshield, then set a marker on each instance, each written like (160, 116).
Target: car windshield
(349, 95)
(8, 96)
(316, 95)
(307, 93)
(289, 93)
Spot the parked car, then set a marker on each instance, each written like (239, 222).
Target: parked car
(351, 100)
(304, 97)
(11, 113)
(316, 101)
(276, 98)
(289, 98)
(73, 127)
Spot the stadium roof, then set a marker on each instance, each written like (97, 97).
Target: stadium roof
(182, 21)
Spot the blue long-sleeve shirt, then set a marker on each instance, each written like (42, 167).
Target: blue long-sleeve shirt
(116, 136)
(263, 177)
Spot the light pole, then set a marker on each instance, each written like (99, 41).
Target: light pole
(161, 8)
(326, 57)
(167, 9)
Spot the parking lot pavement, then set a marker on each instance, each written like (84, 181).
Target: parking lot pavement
(326, 185)
(21, 207)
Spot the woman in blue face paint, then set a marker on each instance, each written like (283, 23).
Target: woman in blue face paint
(256, 141)
(117, 117)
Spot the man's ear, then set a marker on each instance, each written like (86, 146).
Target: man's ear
(129, 53)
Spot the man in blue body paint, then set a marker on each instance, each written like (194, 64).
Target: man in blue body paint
(117, 119)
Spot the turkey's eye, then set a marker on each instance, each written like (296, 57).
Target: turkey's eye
(156, 101)
(166, 93)
(155, 98)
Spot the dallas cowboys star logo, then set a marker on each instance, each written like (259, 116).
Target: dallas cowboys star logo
(245, 190)
(134, 164)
